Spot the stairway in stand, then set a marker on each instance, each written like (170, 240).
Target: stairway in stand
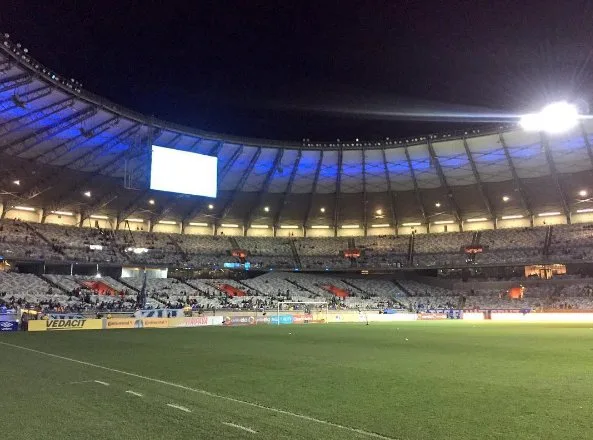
(44, 238)
(295, 254)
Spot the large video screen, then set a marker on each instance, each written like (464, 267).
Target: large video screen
(183, 172)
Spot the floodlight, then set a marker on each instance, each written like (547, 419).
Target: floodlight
(211, 206)
(554, 118)
(583, 193)
(151, 201)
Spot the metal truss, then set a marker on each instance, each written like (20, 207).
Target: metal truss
(444, 183)
(338, 191)
(197, 208)
(587, 144)
(266, 185)
(42, 135)
(64, 148)
(287, 189)
(36, 115)
(518, 183)
(89, 158)
(132, 207)
(22, 100)
(546, 144)
(97, 206)
(416, 188)
(391, 192)
(364, 192)
(228, 204)
(479, 183)
(313, 190)
(15, 81)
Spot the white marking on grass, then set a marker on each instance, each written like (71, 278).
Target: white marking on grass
(134, 393)
(82, 381)
(206, 393)
(181, 408)
(102, 383)
(244, 428)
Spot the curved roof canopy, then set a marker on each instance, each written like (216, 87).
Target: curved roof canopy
(59, 141)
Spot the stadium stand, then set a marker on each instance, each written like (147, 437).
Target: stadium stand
(35, 241)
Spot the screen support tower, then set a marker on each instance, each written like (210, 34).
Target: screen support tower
(312, 307)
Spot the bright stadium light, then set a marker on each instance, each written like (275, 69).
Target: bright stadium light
(322, 210)
(583, 193)
(554, 118)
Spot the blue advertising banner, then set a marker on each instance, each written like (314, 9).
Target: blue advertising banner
(284, 319)
(9, 326)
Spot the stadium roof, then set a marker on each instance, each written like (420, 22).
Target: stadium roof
(59, 141)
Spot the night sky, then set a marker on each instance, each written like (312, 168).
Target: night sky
(320, 70)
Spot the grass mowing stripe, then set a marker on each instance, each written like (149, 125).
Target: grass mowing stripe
(205, 393)
(244, 428)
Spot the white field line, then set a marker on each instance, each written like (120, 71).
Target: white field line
(82, 381)
(134, 393)
(181, 408)
(102, 383)
(244, 428)
(207, 393)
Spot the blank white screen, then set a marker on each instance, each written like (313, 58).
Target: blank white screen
(183, 172)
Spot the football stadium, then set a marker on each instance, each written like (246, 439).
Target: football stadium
(162, 282)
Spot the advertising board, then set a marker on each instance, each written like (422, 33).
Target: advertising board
(117, 323)
(431, 316)
(239, 320)
(196, 321)
(282, 319)
(65, 324)
(542, 317)
(9, 326)
(302, 318)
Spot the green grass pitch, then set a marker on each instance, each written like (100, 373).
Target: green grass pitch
(447, 380)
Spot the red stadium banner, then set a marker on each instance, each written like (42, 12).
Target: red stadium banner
(352, 253)
(473, 249)
(239, 253)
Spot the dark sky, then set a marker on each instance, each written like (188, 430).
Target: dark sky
(320, 70)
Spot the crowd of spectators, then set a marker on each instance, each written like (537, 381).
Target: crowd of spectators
(49, 242)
